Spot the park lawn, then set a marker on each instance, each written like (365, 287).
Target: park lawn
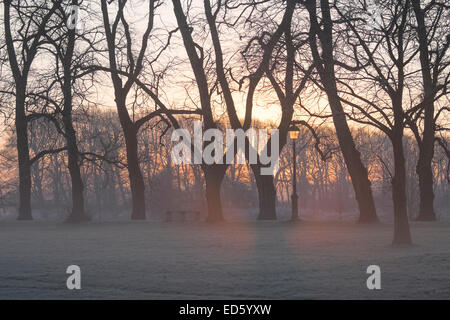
(235, 260)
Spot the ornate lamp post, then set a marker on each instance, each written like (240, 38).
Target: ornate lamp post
(293, 134)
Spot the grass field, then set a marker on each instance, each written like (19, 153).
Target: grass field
(239, 260)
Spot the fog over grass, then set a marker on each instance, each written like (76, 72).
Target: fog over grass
(236, 260)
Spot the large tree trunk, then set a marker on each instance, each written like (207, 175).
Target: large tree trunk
(214, 175)
(78, 214)
(402, 235)
(137, 185)
(134, 171)
(266, 194)
(357, 170)
(426, 146)
(425, 173)
(23, 157)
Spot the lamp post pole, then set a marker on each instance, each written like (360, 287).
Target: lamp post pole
(294, 198)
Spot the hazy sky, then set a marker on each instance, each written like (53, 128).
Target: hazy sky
(266, 107)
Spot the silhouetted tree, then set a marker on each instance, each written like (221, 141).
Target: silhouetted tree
(382, 84)
(434, 61)
(24, 30)
(322, 48)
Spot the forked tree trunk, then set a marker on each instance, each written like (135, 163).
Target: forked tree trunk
(402, 235)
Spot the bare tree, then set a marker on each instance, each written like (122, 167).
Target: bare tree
(213, 173)
(385, 52)
(434, 61)
(288, 77)
(29, 25)
(265, 184)
(68, 62)
(66, 56)
(134, 66)
(321, 33)
(266, 42)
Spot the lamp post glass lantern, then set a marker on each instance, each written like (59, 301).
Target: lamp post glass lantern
(293, 134)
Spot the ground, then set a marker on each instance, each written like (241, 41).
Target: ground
(236, 260)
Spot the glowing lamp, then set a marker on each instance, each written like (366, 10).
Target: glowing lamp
(293, 132)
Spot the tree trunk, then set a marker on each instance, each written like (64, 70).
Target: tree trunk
(325, 66)
(266, 194)
(402, 235)
(78, 214)
(357, 170)
(425, 173)
(426, 146)
(134, 171)
(137, 185)
(214, 175)
(23, 157)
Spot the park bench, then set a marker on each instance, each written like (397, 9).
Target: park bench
(183, 215)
